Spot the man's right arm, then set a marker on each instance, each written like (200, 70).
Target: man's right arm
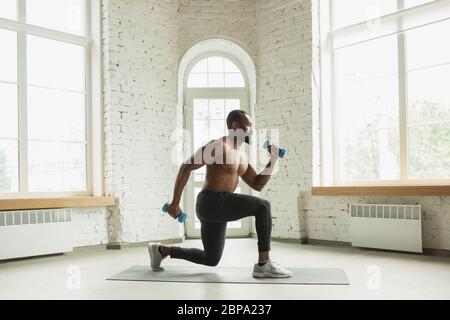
(182, 178)
(195, 162)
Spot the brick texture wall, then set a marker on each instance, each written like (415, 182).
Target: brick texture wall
(140, 74)
(204, 19)
(284, 103)
(143, 42)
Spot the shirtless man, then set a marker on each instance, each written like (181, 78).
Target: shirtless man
(217, 204)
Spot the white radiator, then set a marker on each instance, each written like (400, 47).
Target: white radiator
(35, 232)
(392, 227)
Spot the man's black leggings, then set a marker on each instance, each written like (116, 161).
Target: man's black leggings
(214, 210)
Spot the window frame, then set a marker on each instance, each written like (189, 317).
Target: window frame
(329, 160)
(209, 54)
(191, 93)
(90, 41)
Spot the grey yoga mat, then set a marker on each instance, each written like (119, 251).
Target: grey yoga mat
(200, 274)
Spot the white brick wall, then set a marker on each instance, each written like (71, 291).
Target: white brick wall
(143, 42)
(90, 226)
(140, 74)
(230, 19)
(284, 103)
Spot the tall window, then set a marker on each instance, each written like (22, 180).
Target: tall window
(215, 85)
(44, 96)
(388, 76)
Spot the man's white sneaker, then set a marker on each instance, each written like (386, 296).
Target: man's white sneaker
(270, 269)
(155, 256)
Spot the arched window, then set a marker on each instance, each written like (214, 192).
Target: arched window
(216, 76)
(215, 85)
(215, 72)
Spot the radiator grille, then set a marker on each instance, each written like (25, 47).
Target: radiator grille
(383, 211)
(10, 218)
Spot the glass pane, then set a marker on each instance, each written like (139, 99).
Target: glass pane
(231, 67)
(216, 129)
(201, 170)
(215, 80)
(371, 103)
(367, 111)
(8, 111)
(216, 109)
(199, 177)
(234, 224)
(366, 85)
(347, 12)
(231, 104)
(429, 123)
(370, 155)
(210, 73)
(56, 115)
(8, 9)
(54, 64)
(426, 46)
(199, 174)
(429, 151)
(197, 80)
(200, 108)
(55, 166)
(215, 64)
(66, 16)
(234, 80)
(200, 133)
(429, 95)
(369, 59)
(200, 67)
(8, 56)
(9, 165)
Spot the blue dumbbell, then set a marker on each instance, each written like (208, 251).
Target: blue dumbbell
(181, 217)
(281, 151)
